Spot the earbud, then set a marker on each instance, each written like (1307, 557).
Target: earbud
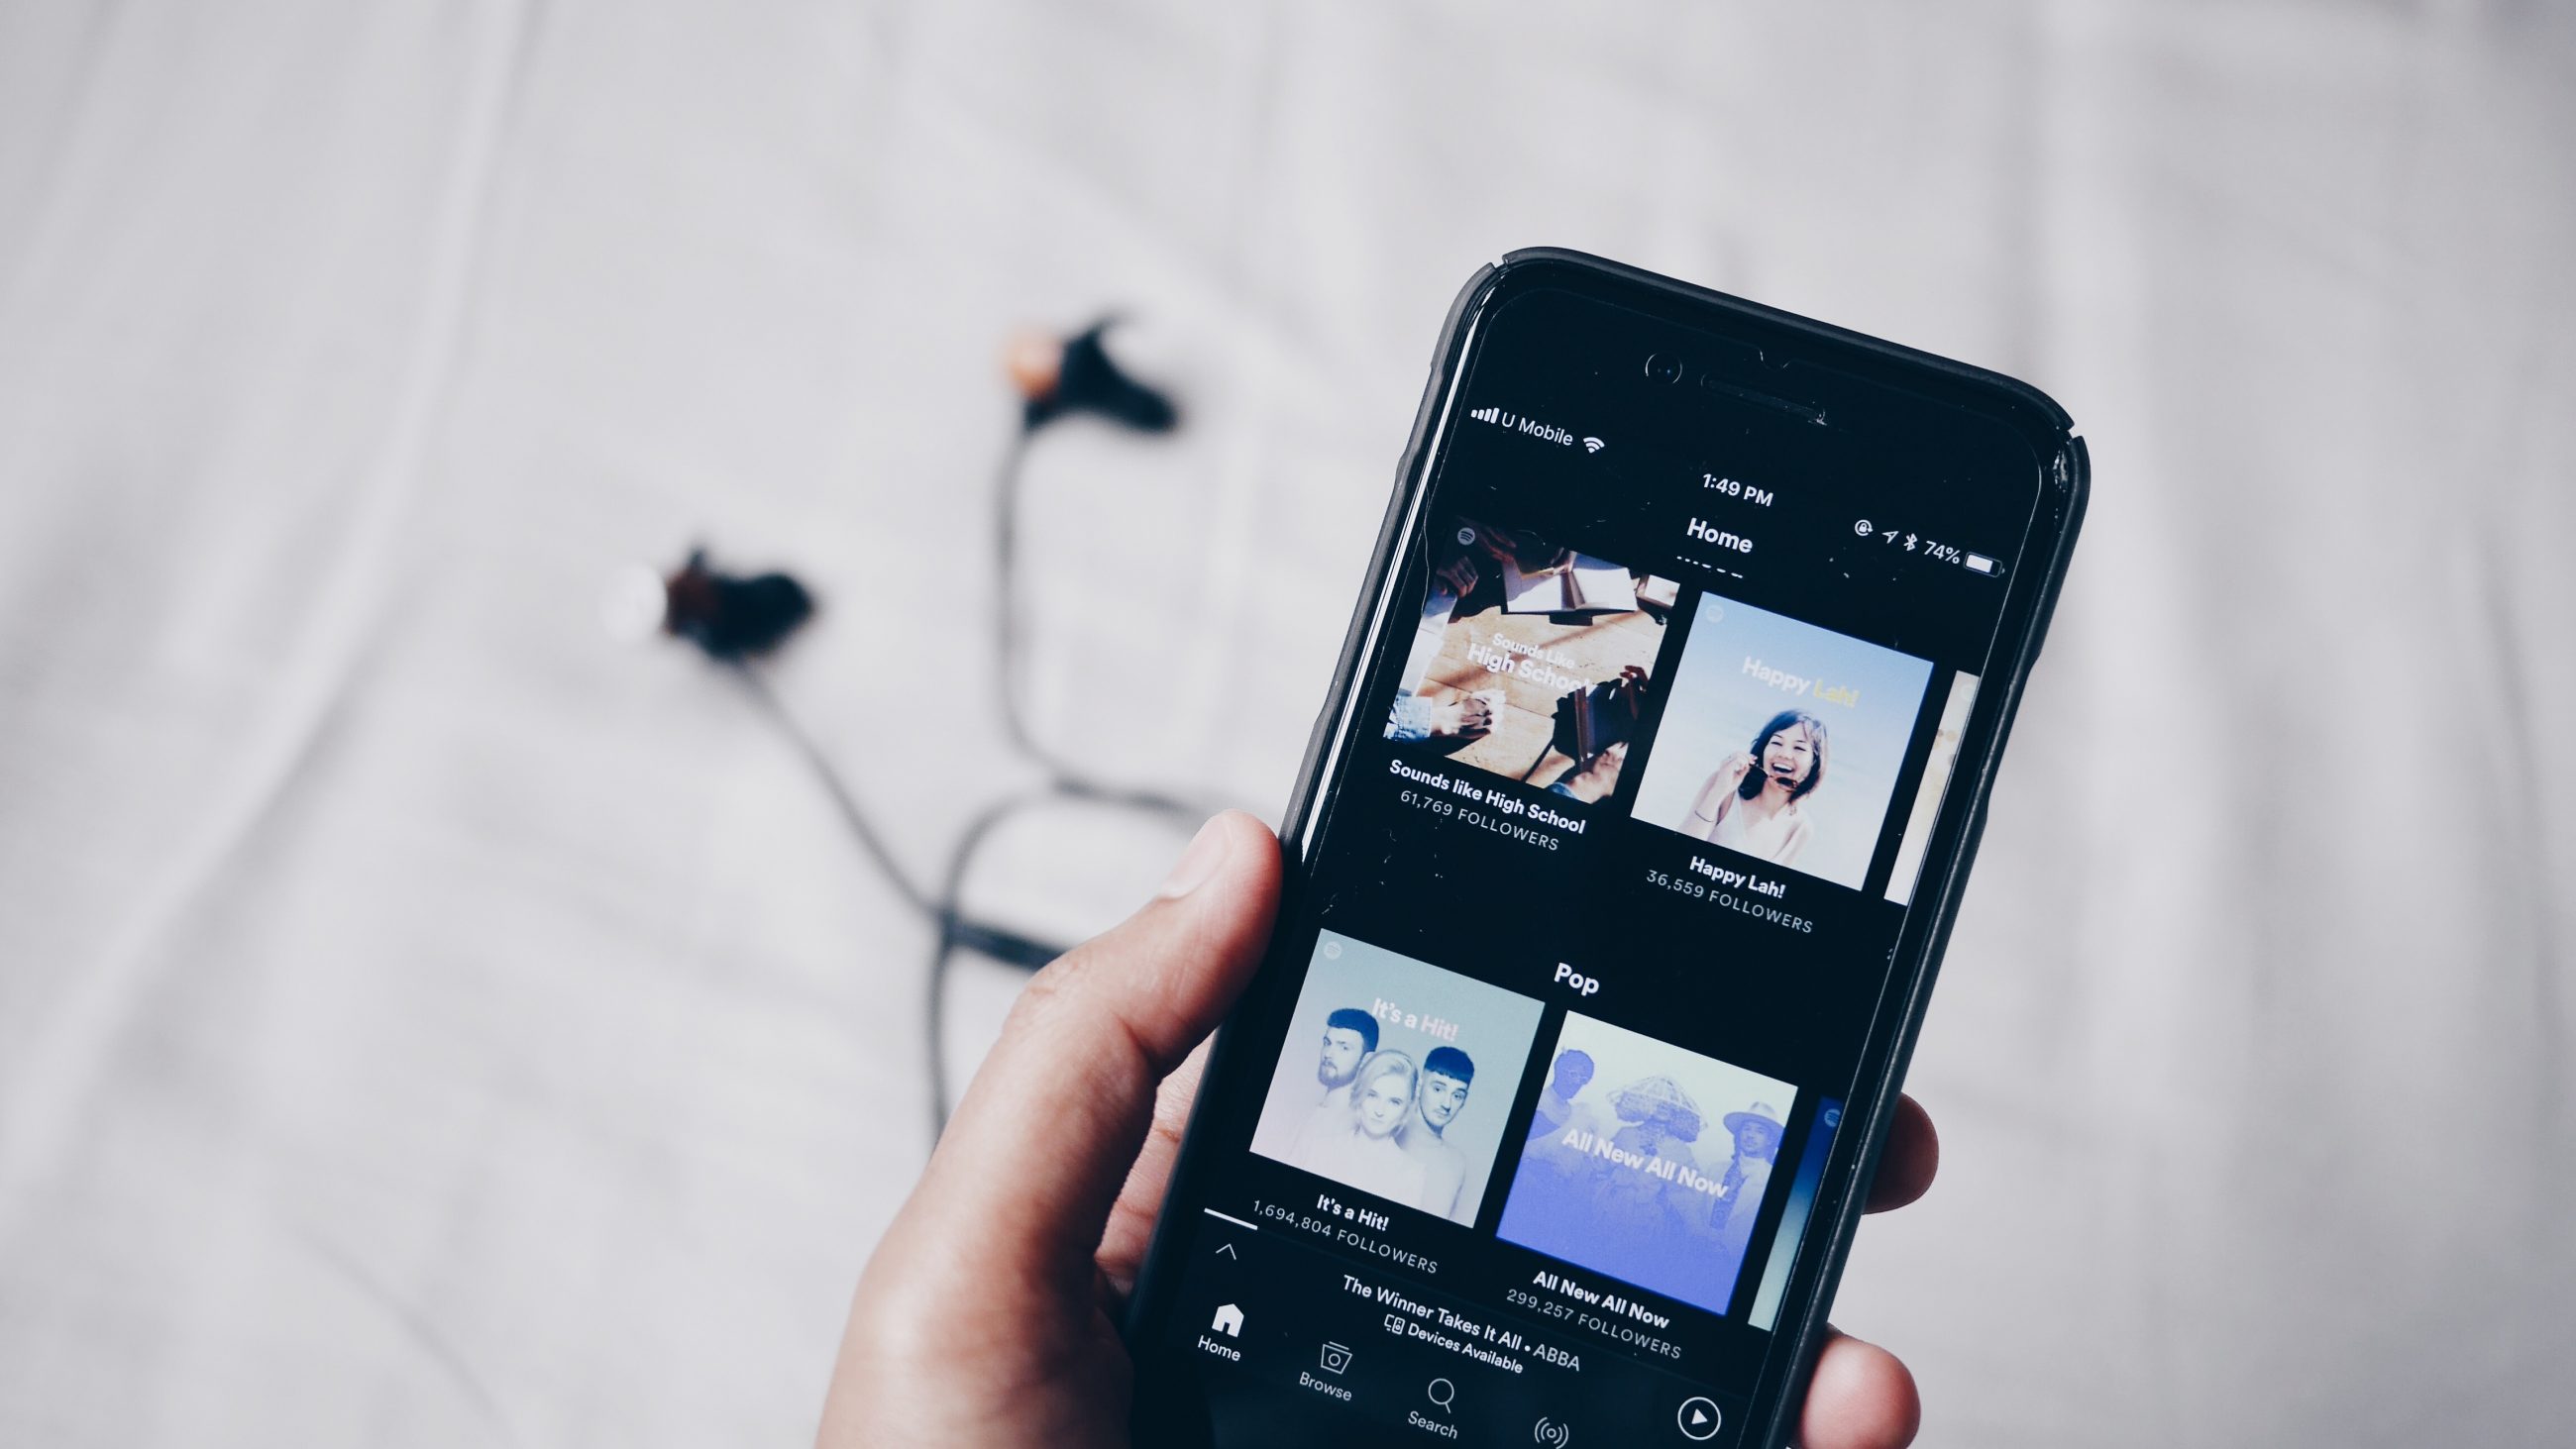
(728, 616)
(1057, 376)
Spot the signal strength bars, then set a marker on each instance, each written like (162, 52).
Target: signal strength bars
(1487, 415)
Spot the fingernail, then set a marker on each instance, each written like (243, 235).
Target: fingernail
(1207, 851)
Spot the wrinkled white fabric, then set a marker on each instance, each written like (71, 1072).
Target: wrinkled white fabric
(423, 1021)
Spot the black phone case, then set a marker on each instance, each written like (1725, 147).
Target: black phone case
(1854, 1159)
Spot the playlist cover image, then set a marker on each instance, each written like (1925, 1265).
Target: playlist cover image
(1646, 1162)
(1947, 733)
(1782, 741)
(1529, 659)
(1396, 1078)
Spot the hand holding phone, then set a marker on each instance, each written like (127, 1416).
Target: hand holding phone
(1604, 1052)
(985, 1315)
(987, 1312)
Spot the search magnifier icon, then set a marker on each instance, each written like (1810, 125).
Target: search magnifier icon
(1443, 1393)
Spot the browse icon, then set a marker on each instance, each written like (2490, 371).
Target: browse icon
(1336, 1358)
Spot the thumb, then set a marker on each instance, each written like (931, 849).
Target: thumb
(1024, 1178)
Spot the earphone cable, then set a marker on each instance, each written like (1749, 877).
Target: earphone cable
(1009, 646)
(756, 686)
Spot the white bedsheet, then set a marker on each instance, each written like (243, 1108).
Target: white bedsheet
(425, 1022)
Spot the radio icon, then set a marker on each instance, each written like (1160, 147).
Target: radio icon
(1554, 1433)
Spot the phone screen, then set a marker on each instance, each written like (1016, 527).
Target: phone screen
(1521, 1132)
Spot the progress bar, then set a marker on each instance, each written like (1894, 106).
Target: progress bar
(1238, 1222)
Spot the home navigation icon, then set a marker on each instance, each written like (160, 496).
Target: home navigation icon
(1229, 1320)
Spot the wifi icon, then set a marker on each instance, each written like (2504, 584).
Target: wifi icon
(1593, 445)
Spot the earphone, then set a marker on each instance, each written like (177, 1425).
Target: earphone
(735, 620)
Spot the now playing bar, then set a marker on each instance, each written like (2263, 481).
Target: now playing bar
(1356, 1344)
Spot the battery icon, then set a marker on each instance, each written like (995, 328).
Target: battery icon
(1980, 564)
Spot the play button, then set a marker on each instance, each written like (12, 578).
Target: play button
(1699, 1419)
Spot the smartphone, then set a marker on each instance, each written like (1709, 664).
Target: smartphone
(1618, 873)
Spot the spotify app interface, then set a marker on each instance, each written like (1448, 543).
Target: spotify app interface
(1520, 1140)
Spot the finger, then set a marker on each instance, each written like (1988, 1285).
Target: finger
(1913, 1154)
(1023, 1180)
(1861, 1397)
(1140, 1200)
